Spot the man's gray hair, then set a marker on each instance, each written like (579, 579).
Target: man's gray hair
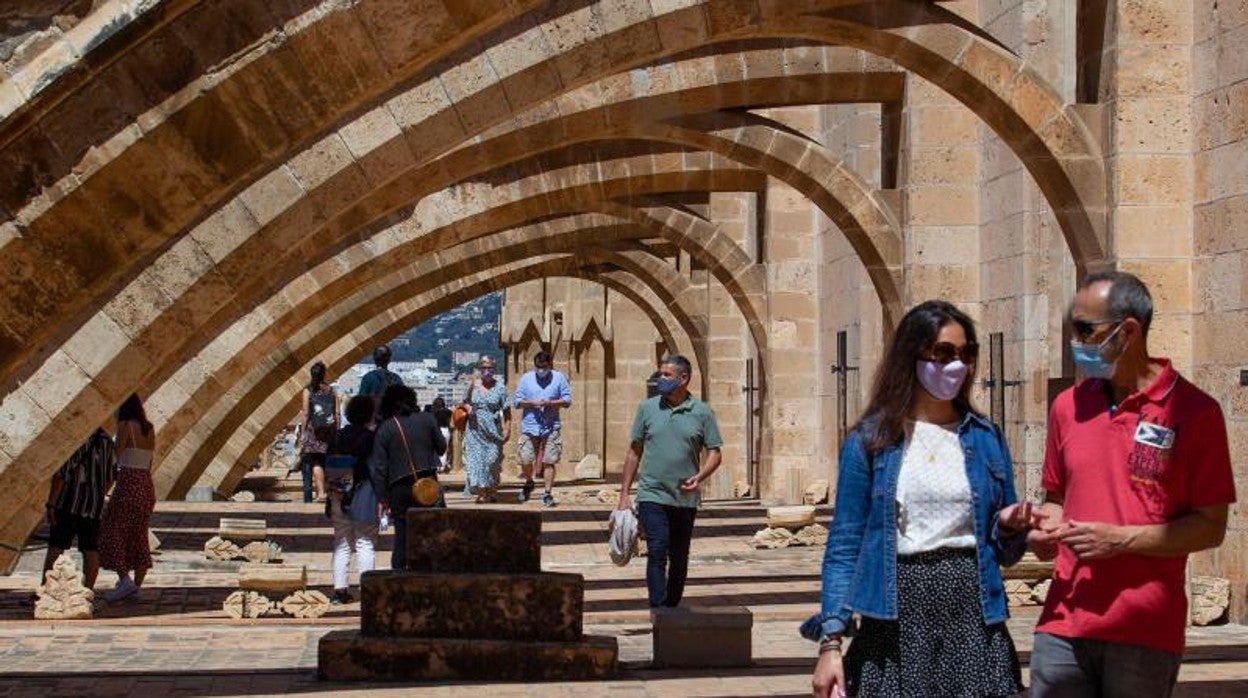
(1128, 296)
(683, 367)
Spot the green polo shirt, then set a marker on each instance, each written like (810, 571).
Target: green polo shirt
(672, 440)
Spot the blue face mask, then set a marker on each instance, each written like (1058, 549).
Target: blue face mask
(667, 386)
(1089, 358)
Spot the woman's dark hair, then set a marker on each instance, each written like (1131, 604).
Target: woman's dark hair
(318, 376)
(892, 395)
(397, 401)
(132, 411)
(360, 409)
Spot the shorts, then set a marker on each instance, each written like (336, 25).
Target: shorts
(529, 446)
(68, 526)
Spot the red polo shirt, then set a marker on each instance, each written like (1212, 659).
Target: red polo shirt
(1161, 454)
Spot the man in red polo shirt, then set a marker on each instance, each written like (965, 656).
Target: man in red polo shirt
(1137, 474)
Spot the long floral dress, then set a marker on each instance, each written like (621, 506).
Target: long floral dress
(483, 438)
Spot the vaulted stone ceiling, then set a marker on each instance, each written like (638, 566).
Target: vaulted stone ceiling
(198, 199)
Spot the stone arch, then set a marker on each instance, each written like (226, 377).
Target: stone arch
(982, 70)
(215, 297)
(271, 413)
(1052, 143)
(670, 287)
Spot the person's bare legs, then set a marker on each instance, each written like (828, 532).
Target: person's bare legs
(139, 576)
(318, 481)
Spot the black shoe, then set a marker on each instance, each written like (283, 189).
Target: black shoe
(340, 597)
(548, 500)
(526, 492)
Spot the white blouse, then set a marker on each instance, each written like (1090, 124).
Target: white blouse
(933, 494)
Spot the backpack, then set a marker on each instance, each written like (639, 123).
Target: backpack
(322, 421)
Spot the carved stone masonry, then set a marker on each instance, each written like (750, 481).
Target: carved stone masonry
(62, 596)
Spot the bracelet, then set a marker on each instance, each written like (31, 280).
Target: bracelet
(830, 646)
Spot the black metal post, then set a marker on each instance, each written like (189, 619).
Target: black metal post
(749, 391)
(842, 368)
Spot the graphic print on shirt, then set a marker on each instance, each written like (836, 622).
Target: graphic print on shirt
(1149, 464)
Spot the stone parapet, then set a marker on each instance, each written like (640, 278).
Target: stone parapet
(347, 655)
(473, 604)
(543, 607)
(470, 541)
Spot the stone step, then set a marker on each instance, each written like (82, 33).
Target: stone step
(546, 606)
(346, 655)
(474, 540)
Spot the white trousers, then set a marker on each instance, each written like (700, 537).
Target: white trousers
(351, 536)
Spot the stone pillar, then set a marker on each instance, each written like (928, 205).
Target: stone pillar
(797, 377)
(728, 346)
(1219, 249)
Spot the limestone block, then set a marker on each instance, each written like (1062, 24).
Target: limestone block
(245, 496)
(814, 534)
(792, 518)
(246, 604)
(274, 578)
(1211, 596)
(740, 489)
(1017, 592)
(544, 606)
(218, 548)
(590, 468)
(62, 596)
(816, 492)
(348, 655)
(694, 637)
(1029, 568)
(242, 529)
(305, 603)
(1040, 592)
(772, 538)
(470, 540)
(153, 543)
(262, 551)
(609, 496)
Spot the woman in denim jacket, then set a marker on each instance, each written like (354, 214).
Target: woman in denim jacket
(925, 513)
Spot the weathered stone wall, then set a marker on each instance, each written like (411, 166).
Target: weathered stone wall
(1219, 247)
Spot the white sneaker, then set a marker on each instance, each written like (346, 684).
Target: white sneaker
(124, 590)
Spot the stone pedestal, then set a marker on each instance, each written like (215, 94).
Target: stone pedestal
(473, 604)
(697, 637)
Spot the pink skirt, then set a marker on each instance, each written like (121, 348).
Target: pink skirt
(123, 530)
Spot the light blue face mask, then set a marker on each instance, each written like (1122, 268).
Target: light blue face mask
(1089, 359)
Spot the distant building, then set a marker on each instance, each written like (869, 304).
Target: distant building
(462, 358)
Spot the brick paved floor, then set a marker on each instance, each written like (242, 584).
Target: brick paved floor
(176, 641)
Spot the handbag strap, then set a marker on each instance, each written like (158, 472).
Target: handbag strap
(406, 448)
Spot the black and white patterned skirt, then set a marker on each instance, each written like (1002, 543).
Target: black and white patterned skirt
(939, 646)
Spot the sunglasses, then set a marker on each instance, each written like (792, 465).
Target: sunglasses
(1083, 329)
(945, 352)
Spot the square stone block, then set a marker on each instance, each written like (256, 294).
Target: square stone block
(346, 655)
(696, 637)
(545, 606)
(469, 540)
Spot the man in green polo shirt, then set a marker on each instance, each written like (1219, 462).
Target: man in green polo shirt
(668, 436)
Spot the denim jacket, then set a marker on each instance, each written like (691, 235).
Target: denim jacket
(860, 560)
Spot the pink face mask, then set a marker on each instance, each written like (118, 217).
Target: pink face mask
(941, 381)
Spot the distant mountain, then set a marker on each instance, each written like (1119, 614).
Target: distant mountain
(472, 327)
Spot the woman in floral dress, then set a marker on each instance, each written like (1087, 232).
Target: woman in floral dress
(485, 433)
